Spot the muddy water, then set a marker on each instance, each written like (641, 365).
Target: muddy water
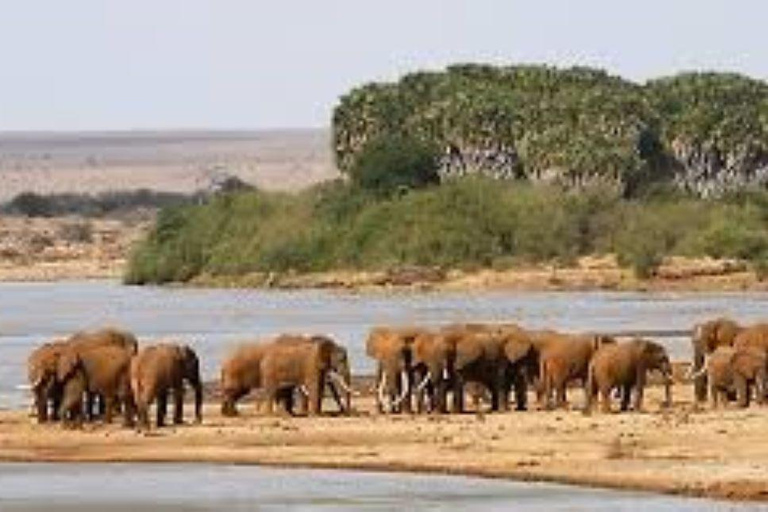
(215, 320)
(140, 487)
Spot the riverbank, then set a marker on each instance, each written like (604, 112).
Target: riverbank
(588, 273)
(65, 248)
(716, 454)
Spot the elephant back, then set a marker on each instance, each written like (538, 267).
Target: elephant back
(105, 337)
(755, 336)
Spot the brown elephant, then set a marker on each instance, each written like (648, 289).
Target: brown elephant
(46, 388)
(102, 370)
(241, 373)
(298, 365)
(162, 368)
(732, 369)
(624, 366)
(706, 338)
(391, 348)
(563, 359)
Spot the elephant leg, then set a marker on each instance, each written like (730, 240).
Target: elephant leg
(458, 395)
(639, 389)
(56, 398)
(315, 396)
(626, 397)
(700, 383)
(605, 396)
(714, 395)
(178, 405)
(521, 391)
(109, 407)
(742, 391)
(162, 408)
(41, 405)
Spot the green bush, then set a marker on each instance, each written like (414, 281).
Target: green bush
(468, 223)
(395, 163)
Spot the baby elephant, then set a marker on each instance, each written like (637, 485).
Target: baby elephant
(624, 366)
(731, 369)
(158, 369)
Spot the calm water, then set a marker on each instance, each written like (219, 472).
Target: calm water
(142, 487)
(215, 320)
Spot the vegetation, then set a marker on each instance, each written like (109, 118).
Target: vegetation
(599, 165)
(30, 204)
(706, 132)
(469, 223)
(395, 163)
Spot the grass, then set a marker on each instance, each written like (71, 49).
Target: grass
(467, 223)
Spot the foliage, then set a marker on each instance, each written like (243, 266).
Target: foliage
(574, 126)
(471, 222)
(395, 163)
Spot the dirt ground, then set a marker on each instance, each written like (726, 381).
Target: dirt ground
(720, 454)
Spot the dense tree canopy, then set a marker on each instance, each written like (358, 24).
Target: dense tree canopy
(707, 132)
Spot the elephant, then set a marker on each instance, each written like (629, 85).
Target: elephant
(105, 336)
(41, 372)
(391, 348)
(706, 338)
(158, 369)
(241, 373)
(102, 370)
(302, 365)
(624, 366)
(564, 358)
(491, 356)
(731, 369)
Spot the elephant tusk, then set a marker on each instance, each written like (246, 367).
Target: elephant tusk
(446, 375)
(404, 380)
(341, 382)
(304, 391)
(423, 382)
(382, 383)
(28, 387)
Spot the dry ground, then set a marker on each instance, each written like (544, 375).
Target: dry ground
(719, 454)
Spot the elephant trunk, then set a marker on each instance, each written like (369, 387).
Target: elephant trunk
(404, 385)
(698, 368)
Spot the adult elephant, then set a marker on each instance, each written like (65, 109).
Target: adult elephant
(241, 373)
(480, 357)
(299, 365)
(736, 369)
(391, 347)
(102, 370)
(705, 339)
(41, 373)
(565, 358)
(162, 368)
(624, 366)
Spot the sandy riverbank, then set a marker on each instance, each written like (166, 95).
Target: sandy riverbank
(719, 454)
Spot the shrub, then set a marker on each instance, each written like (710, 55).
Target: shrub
(395, 163)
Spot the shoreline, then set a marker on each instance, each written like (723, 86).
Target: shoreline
(682, 451)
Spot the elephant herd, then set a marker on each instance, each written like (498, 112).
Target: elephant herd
(421, 368)
(68, 376)
(730, 360)
(104, 372)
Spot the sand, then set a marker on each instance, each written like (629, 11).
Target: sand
(718, 454)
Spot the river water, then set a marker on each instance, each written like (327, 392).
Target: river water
(213, 321)
(199, 487)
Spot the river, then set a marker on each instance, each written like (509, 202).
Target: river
(214, 320)
(202, 487)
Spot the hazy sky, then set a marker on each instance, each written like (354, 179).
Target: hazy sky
(126, 64)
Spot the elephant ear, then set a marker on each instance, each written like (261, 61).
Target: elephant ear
(516, 349)
(373, 346)
(469, 349)
(68, 362)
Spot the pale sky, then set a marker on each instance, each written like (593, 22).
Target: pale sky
(153, 64)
